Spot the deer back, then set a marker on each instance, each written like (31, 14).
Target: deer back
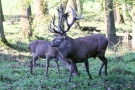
(95, 44)
(39, 47)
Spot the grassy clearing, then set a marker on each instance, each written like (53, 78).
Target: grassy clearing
(14, 73)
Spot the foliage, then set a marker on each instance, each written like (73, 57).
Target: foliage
(24, 3)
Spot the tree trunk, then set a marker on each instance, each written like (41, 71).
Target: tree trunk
(72, 4)
(64, 8)
(2, 16)
(40, 7)
(119, 17)
(124, 10)
(133, 28)
(79, 6)
(79, 10)
(26, 21)
(110, 25)
(2, 36)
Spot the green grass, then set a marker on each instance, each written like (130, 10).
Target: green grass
(14, 73)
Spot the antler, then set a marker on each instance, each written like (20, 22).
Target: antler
(59, 27)
(66, 15)
(63, 16)
(52, 29)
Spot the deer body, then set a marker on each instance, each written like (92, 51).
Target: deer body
(41, 49)
(82, 47)
(79, 49)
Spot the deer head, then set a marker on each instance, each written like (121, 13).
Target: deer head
(61, 33)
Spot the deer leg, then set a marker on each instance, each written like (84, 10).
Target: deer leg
(32, 63)
(47, 64)
(87, 68)
(34, 58)
(75, 71)
(71, 72)
(57, 66)
(104, 62)
(31, 66)
(99, 74)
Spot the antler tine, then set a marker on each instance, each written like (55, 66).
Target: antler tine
(66, 15)
(74, 19)
(61, 19)
(75, 15)
(52, 29)
(53, 21)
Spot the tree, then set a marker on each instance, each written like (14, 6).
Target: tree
(79, 10)
(26, 19)
(110, 25)
(124, 10)
(2, 36)
(118, 16)
(133, 27)
(41, 11)
(79, 6)
(72, 3)
(64, 8)
(40, 7)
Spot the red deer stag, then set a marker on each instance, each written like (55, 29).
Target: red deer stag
(41, 49)
(79, 49)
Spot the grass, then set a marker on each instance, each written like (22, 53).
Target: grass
(15, 74)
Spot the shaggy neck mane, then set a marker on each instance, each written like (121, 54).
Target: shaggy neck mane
(66, 47)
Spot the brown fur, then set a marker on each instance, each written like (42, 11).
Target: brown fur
(41, 49)
(80, 49)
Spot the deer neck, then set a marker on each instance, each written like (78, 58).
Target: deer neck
(66, 47)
